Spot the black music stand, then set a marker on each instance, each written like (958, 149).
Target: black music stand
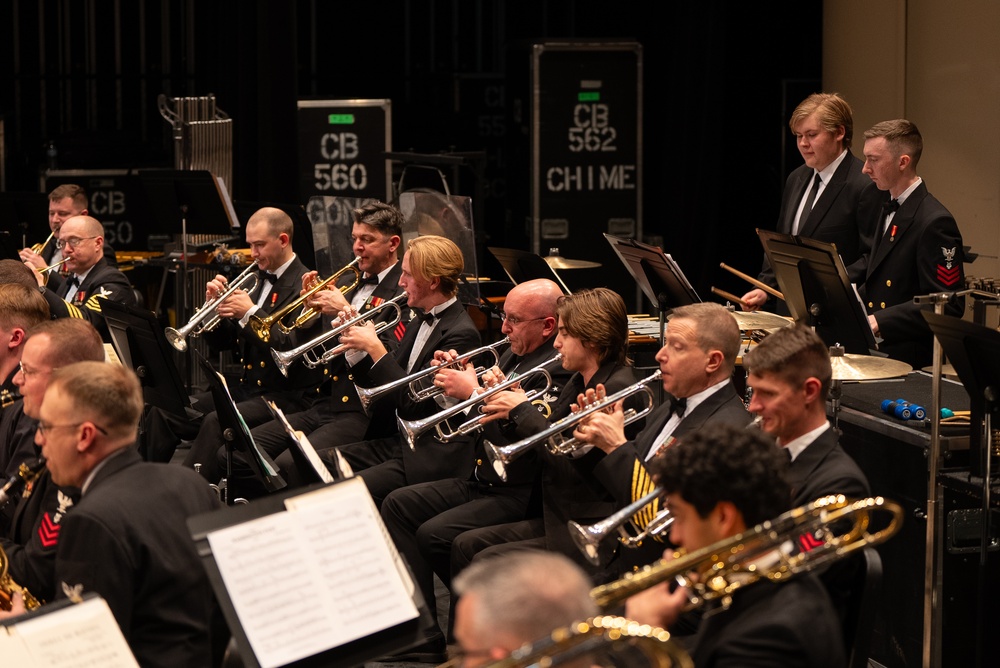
(237, 436)
(523, 266)
(22, 221)
(659, 276)
(817, 291)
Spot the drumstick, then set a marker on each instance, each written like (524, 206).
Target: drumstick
(753, 281)
(730, 296)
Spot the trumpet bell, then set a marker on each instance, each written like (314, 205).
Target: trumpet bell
(175, 338)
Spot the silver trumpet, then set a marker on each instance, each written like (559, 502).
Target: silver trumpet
(413, 429)
(209, 310)
(558, 444)
(369, 395)
(588, 538)
(314, 352)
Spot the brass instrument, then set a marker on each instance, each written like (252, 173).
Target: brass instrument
(262, 326)
(46, 270)
(314, 353)
(8, 587)
(413, 429)
(417, 393)
(26, 473)
(764, 552)
(552, 436)
(38, 248)
(209, 310)
(600, 641)
(588, 538)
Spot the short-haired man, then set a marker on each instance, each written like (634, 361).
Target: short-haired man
(918, 247)
(822, 199)
(718, 482)
(506, 603)
(696, 362)
(90, 278)
(127, 537)
(341, 419)
(280, 271)
(790, 374)
(431, 270)
(424, 519)
(21, 308)
(32, 536)
(12, 271)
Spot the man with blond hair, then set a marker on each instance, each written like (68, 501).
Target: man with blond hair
(21, 308)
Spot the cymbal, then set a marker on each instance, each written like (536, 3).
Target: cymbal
(560, 262)
(748, 320)
(946, 370)
(867, 367)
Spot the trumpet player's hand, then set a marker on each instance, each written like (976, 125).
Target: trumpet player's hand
(236, 305)
(754, 300)
(457, 383)
(603, 430)
(216, 287)
(330, 302)
(364, 338)
(500, 404)
(32, 259)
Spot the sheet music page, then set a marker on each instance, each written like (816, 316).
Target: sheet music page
(83, 635)
(303, 443)
(339, 579)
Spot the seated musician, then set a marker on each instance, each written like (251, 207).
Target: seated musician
(269, 235)
(424, 519)
(32, 538)
(341, 419)
(507, 603)
(90, 279)
(21, 307)
(127, 538)
(718, 482)
(696, 363)
(592, 338)
(431, 269)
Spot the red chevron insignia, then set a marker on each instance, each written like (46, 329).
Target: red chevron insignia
(808, 542)
(947, 276)
(399, 331)
(48, 532)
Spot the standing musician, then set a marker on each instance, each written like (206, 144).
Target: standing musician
(21, 307)
(32, 537)
(593, 339)
(718, 482)
(431, 269)
(90, 279)
(697, 362)
(127, 538)
(341, 419)
(822, 199)
(425, 518)
(790, 374)
(269, 235)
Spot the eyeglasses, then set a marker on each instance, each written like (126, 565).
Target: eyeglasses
(514, 320)
(48, 426)
(72, 242)
(31, 372)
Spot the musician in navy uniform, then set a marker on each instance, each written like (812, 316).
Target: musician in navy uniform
(89, 279)
(718, 482)
(280, 271)
(127, 538)
(918, 248)
(21, 307)
(340, 419)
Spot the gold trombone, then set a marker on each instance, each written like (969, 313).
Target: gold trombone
(262, 326)
(413, 429)
(368, 395)
(766, 552)
(209, 310)
(558, 444)
(314, 352)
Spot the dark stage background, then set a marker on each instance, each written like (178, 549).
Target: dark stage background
(79, 81)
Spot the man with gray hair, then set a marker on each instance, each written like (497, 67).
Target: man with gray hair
(510, 601)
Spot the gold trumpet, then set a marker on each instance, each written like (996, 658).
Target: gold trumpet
(626, 642)
(558, 444)
(262, 326)
(766, 552)
(314, 352)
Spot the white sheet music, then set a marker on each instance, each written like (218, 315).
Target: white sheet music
(338, 576)
(83, 635)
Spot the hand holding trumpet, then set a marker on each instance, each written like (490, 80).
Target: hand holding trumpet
(457, 382)
(603, 429)
(329, 302)
(500, 404)
(362, 337)
(235, 305)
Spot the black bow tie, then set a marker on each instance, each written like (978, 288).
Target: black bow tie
(678, 406)
(369, 280)
(892, 206)
(427, 317)
(267, 276)
(72, 281)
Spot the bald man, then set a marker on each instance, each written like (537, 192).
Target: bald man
(90, 279)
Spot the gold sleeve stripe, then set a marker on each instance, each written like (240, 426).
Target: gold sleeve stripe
(642, 484)
(74, 312)
(94, 304)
